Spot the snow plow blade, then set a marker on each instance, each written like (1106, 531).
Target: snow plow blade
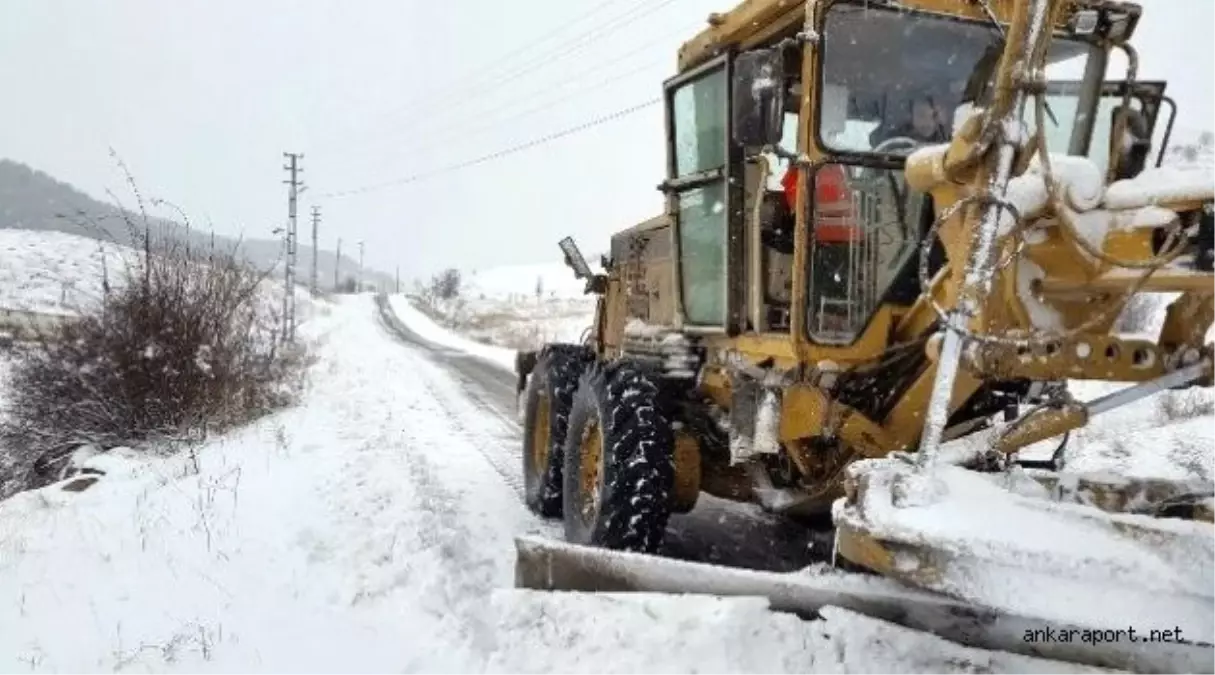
(543, 564)
(1045, 548)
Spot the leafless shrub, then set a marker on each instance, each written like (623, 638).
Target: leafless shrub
(446, 284)
(180, 345)
(1175, 406)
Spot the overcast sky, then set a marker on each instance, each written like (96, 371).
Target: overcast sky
(201, 98)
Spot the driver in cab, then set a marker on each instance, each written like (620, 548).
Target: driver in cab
(834, 220)
(923, 122)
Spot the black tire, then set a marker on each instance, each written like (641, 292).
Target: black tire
(634, 481)
(553, 382)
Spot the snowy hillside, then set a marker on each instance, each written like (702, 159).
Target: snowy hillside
(57, 273)
(553, 280)
(501, 306)
(34, 200)
(53, 272)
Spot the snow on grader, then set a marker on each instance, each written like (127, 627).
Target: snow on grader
(893, 231)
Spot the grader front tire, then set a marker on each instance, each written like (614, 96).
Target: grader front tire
(619, 461)
(550, 393)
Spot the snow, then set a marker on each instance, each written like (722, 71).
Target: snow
(636, 328)
(53, 273)
(731, 635)
(1027, 193)
(1041, 315)
(1162, 185)
(963, 113)
(519, 281)
(767, 424)
(1081, 183)
(370, 529)
(1147, 439)
(367, 529)
(425, 327)
(319, 539)
(1094, 226)
(1029, 555)
(498, 312)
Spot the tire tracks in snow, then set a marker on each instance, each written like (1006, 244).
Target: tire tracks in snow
(491, 440)
(489, 443)
(423, 520)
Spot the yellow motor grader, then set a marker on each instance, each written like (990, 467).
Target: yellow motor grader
(894, 230)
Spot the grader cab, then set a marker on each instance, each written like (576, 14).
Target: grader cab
(889, 226)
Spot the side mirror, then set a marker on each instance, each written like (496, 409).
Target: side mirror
(1129, 152)
(758, 105)
(574, 259)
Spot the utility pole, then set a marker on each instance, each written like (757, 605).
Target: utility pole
(360, 266)
(316, 220)
(398, 291)
(295, 186)
(337, 265)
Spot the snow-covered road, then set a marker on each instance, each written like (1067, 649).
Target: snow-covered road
(716, 531)
(368, 529)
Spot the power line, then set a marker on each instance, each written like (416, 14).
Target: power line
(583, 40)
(430, 140)
(538, 62)
(484, 70)
(496, 155)
(452, 130)
(528, 45)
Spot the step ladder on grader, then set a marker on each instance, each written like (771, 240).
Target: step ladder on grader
(1008, 204)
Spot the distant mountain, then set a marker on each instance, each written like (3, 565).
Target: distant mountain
(33, 200)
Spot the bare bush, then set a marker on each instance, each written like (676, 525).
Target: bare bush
(182, 345)
(446, 284)
(1175, 406)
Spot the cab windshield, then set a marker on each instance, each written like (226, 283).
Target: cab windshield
(893, 81)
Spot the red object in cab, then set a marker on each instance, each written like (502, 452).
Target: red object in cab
(834, 217)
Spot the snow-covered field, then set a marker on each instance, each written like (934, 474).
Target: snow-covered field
(501, 307)
(57, 273)
(366, 530)
(52, 272)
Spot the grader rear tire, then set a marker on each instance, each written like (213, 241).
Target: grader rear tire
(550, 393)
(619, 461)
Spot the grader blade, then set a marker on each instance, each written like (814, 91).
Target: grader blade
(548, 565)
(1049, 548)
